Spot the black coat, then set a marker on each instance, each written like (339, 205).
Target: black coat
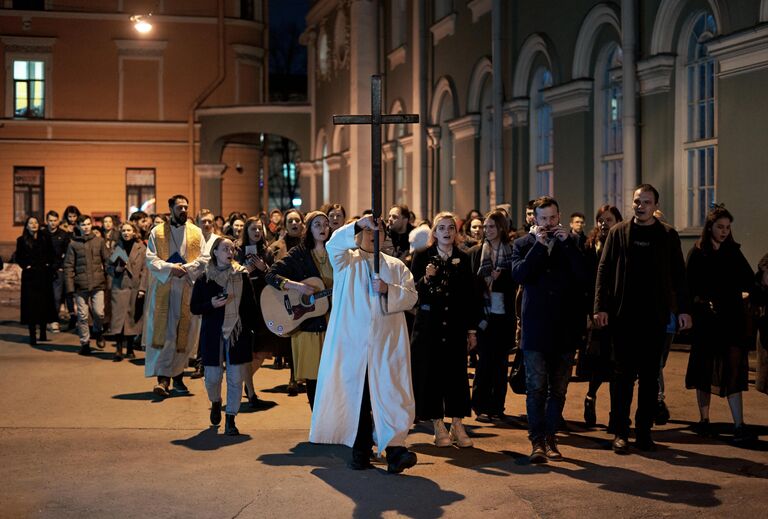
(265, 340)
(60, 242)
(241, 352)
(447, 308)
(553, 284)
(36, 259)
(298, 265)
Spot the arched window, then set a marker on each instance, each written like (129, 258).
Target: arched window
(542, 136)
(609, 138)
(700, 142)
(445, 169)
(486, 142)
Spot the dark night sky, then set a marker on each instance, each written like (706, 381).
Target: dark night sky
(286, 23)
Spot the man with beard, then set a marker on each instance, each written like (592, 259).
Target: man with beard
(550, 269)
(398, 229)
(174, 258)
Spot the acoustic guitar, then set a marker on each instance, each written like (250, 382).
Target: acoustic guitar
(285, 310)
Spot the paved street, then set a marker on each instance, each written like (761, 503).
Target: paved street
(85, 437)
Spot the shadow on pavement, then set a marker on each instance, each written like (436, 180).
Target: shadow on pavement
(283, 388)
(150, 396)
(209, 440)
(634, 483)
(402, 495)
(264, 405)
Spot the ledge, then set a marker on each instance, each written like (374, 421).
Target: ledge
(479, 8)
(466, 127)
(655, 74)
(570, 98)
(397, 57)
(741, 52)
(443, 28)
(516, 112)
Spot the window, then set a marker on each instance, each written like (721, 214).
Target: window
(398, 23)
(442, 9)
(29, 5)
(29, 89)
(700, 144)
(27, 193)
(542, 135)
(611, 156)
(140, 190)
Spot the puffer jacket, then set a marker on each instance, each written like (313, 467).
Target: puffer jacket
(84, 264)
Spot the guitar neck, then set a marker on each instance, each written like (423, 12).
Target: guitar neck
(323, 293)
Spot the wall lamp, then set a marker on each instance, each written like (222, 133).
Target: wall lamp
(142, 23)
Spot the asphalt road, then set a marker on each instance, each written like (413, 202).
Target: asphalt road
(85, 437)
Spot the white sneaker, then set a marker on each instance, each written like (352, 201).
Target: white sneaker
(441, 434)
(53, 327)
(459, 435)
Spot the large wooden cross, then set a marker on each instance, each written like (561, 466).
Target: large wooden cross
(376, 119)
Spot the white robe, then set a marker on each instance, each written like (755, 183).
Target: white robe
(166, 361)
(365, 332)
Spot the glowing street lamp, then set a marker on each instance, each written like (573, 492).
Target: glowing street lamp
(141, 23)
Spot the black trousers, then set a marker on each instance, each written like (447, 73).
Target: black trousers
(490, 384)
(637, 351)
(364, 437)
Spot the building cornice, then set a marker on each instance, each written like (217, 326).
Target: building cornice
(443, 28)
(209, 170)
(465, 127)
(397, 57)
(334, 162)
(655, 74)
(742, 52)
(406, 142)
(248, 52)
(389, 149)
(570, 98)
(479, 8)
(140, 47)
(27, 43)
(516, 112)
(255, 110)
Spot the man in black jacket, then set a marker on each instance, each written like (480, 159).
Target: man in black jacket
(640, 280)
(549, 266)
(60, 242)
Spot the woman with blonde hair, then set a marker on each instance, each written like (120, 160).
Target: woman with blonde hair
(444, 327)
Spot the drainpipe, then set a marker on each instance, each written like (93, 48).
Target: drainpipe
(631, 172)
(222, 71)
(498, 98)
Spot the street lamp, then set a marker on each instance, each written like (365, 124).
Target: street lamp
(141, 23)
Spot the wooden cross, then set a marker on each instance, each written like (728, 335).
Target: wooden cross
(376, 119)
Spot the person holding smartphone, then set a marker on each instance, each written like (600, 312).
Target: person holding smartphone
(223, 296)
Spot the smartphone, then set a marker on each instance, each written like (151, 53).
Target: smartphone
(224, 294)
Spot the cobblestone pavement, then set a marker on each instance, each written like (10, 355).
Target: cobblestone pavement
(85, 437)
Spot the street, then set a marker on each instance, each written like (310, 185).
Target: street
(85, 437)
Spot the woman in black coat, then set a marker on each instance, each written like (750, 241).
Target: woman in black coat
(252, 248)
(718, 273)
(441, 332)
(34, 254)
(224, 297)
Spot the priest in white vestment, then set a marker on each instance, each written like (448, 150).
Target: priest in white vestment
(367, 340)
(174, 259)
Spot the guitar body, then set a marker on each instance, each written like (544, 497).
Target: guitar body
(285, 310)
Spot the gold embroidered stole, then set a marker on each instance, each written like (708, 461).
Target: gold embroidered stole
(193, 241)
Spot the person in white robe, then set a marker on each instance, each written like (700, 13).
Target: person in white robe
(365, 367)
(174, 260)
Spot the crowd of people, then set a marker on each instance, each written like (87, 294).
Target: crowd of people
(396, 344)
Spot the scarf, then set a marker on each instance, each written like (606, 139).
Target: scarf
(487, 265)
(231, 280)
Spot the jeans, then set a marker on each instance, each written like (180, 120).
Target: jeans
(546, 377)
(86, 300)
(236, 375)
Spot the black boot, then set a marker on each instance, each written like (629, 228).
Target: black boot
(216, 413)
(85, 348)
(118, 351)
(179, 385)
(129, 350)
(230, 429)
(100, 341)
(32, 335)
(43, 333)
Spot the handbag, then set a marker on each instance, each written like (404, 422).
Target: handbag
(517, 374)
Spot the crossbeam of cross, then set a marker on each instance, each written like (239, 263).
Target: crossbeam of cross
(376, 120)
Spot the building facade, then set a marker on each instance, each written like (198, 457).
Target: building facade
(111, 120)
(594, 97)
